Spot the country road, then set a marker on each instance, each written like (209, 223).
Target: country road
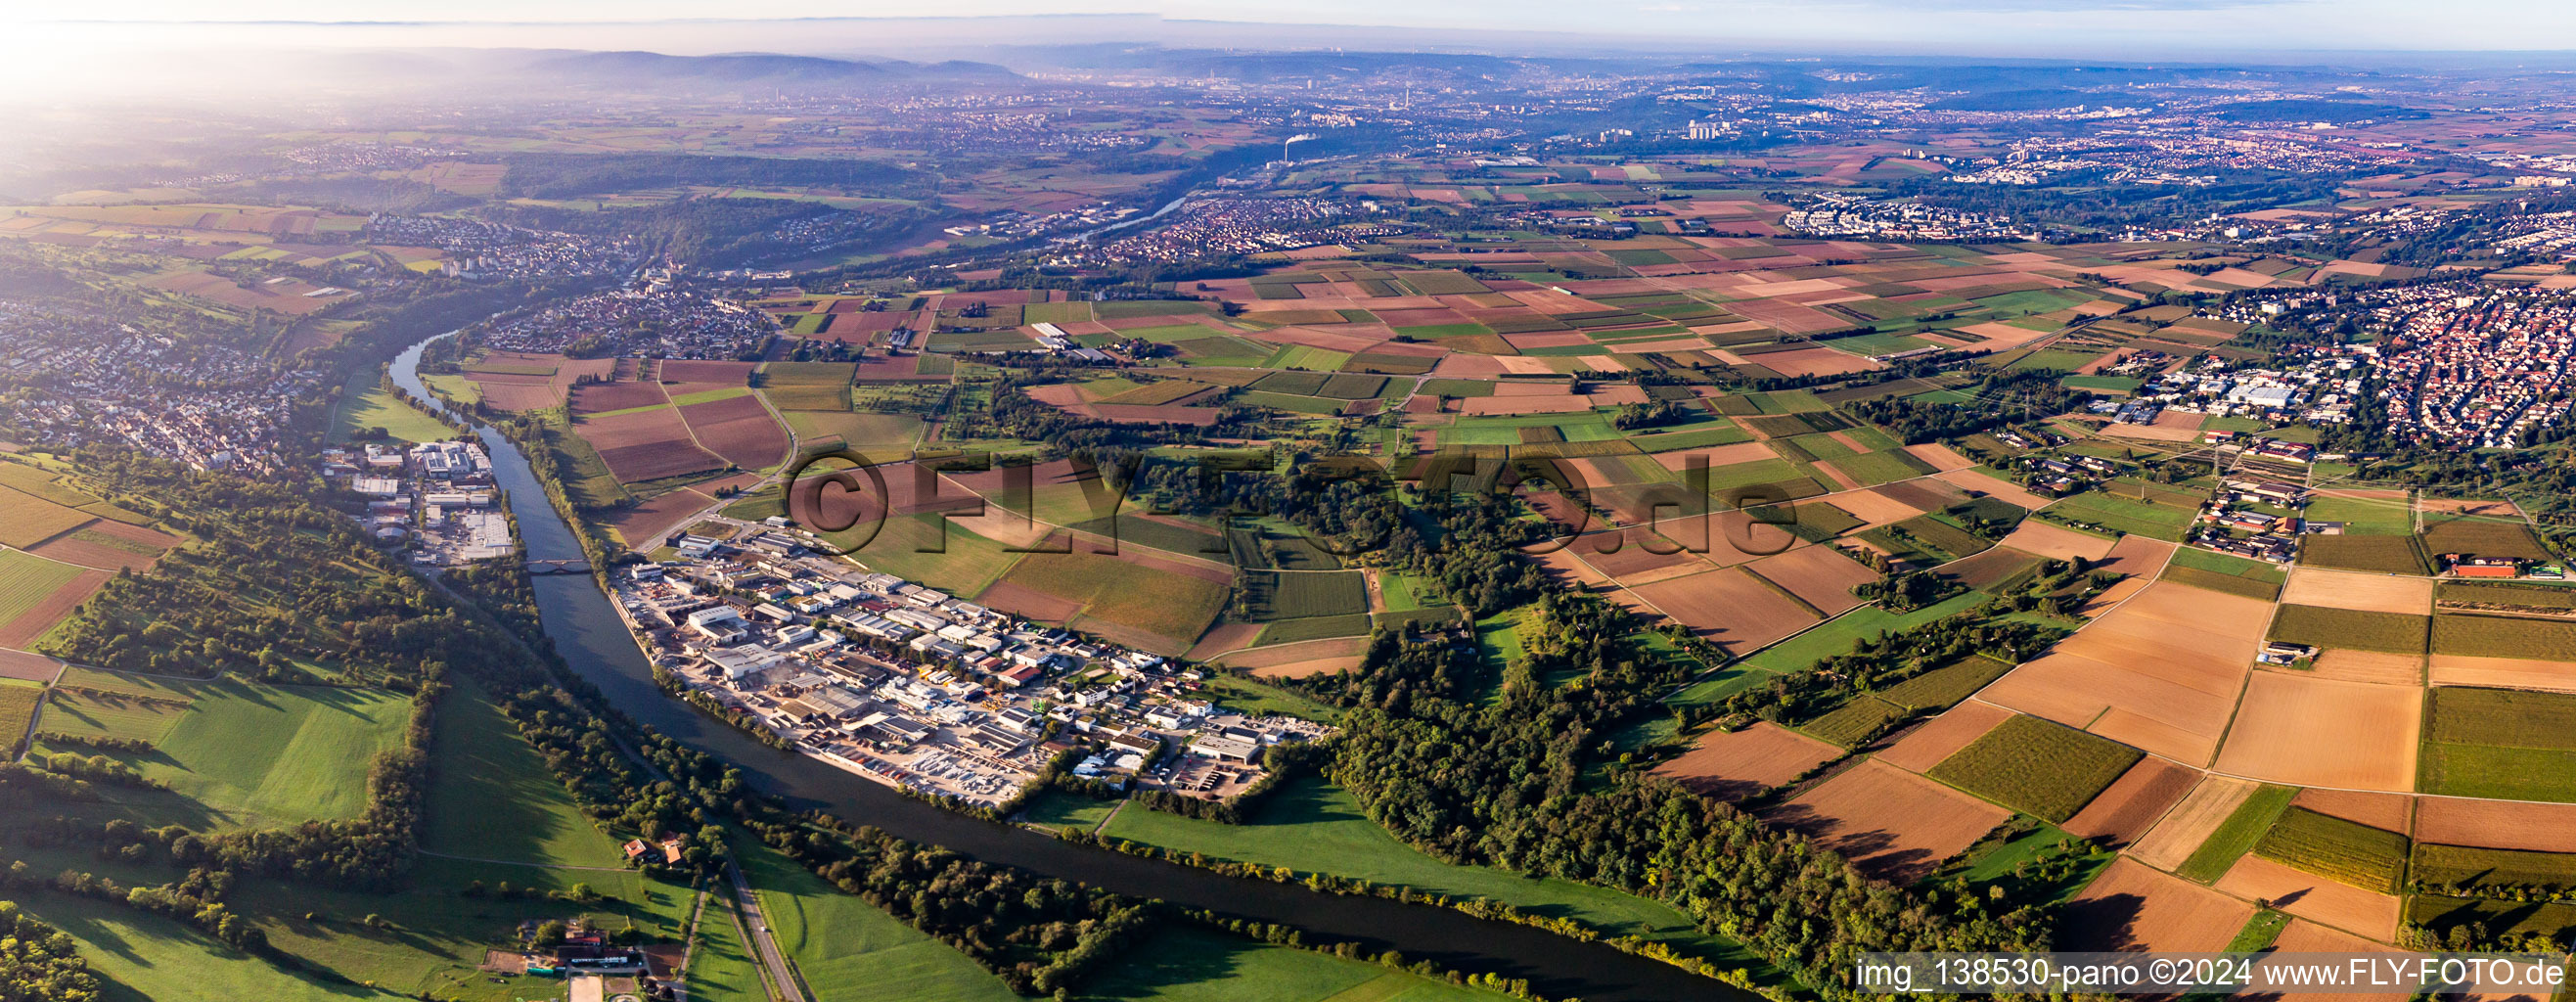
(755, 927)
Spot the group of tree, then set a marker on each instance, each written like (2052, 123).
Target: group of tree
(1999, 399)
(1511, 782)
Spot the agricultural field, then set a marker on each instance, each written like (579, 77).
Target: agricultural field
(242, 755)
(2377, 554)
(2504, 637)
(2483, 537)
(1168, 602)
(2363, 514)
(1890, 823)
(36, 593)
(2501, 872)
(2356, 854)
(26, 520)
(2037, 767)
(1275, 595)
(2317, 626)
(2499, 743)
(2249, 583)
(2520, 596)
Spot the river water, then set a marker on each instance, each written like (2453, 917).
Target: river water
(589, 634)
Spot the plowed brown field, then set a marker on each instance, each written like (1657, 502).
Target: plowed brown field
(2320, 732)
(2128, 807)
(1890, 823)
(2132, 907)
(1730, 766)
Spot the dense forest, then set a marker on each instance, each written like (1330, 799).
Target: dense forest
(1518, 782)
(1999, 399)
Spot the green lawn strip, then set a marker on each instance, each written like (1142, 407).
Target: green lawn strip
(1399, 592)
(1999, 863)
(2225, 583)
(2237, 835)
(2221, 563)
(364, 404)
(2259, 931)
(1310, 826)
(1245, 694)
(721, 967)
(1056, 809)
(845, 947)
(491, 796)
(1838, 635)
(1499, 637)
(1193, 964)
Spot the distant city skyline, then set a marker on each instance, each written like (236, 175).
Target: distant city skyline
(2091, 29)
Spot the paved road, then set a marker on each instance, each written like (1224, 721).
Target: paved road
(755, 927)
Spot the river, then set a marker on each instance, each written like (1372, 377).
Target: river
(589, 634)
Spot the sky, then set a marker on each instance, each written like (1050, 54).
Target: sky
(2094, 29)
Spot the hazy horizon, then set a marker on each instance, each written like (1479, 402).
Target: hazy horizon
(2089, 29)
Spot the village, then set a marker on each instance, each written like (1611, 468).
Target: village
(1224, 226)
(920, 690)
(2478, 372)
(102, 388)
(484, 249)
(645, 320)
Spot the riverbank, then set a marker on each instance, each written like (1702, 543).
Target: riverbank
(597, 644)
